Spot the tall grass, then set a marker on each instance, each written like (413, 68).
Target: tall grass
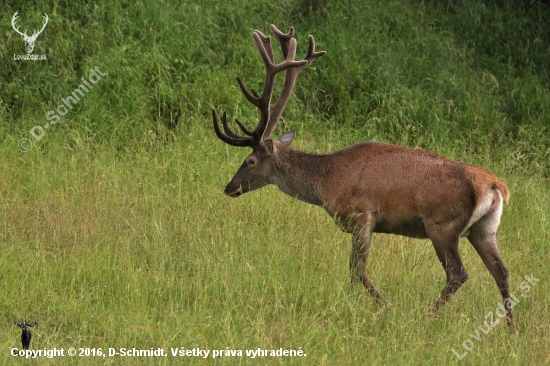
(114, 229)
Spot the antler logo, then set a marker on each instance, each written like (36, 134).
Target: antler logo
(29, 40)
(25, 331)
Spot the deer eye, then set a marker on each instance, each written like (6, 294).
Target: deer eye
(251, 162)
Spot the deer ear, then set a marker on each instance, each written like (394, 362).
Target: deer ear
(269, 146)
(286, 138)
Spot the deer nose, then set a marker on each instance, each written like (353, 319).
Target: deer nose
(232, 191)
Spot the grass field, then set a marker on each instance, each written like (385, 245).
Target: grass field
(114, 229)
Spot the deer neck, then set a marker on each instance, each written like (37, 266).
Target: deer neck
(299, 174)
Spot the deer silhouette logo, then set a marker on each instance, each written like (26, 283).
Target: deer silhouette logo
(25, 332)
(29, 40)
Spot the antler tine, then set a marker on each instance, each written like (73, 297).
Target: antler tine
(231, 139)
(311, 54)
(254, 99)
(283, 39)
(228, 130)
(266, 42)
(31, 323)
(243, 128)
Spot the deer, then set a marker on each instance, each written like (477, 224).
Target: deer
(371, 187)
(29, 40)
(25, 331)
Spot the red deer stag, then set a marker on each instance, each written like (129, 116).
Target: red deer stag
(372, 187)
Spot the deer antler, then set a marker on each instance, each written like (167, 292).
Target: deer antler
(269, 113)
(13, 19)
(36, 33)
(23, 323)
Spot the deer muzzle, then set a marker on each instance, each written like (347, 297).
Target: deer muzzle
(232, 190)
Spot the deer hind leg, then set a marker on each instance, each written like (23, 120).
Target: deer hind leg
(483, 236)
(360, 251)
(486, 247)
(447, 252)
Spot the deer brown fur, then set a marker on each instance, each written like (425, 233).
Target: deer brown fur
(373, 187)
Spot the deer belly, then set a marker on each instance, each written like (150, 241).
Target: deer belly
(412, 227)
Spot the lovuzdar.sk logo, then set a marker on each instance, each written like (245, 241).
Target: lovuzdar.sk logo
(29, 40)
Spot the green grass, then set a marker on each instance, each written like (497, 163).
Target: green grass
(114, 228)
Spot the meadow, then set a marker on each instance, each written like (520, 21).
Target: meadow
(114, 229)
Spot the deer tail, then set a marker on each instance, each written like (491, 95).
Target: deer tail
(503, 188)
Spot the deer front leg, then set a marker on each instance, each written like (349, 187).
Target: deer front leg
(360, 251)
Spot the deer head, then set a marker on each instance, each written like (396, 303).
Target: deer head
(29, 40)
(254, 173)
